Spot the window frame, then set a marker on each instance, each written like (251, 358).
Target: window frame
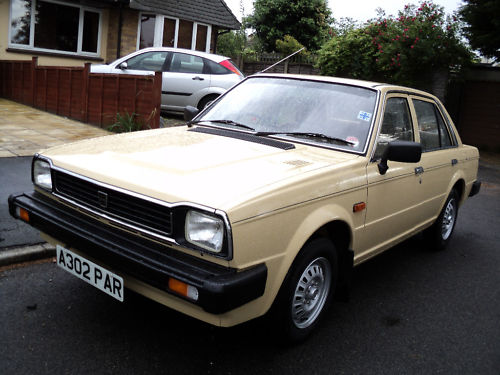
(409, 104)
(158, 32)
(444, 119)
(31, 45)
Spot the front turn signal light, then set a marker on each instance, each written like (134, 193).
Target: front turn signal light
(183, 289)
(23, 214)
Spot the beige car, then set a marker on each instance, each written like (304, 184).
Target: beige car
(261, 204)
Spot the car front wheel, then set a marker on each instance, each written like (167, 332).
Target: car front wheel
(307, 291)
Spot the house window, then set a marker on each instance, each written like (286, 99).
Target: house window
(201, 38)
(54, 26)
(169, 26)
(147, 33)
(185, 34)
(158, 30)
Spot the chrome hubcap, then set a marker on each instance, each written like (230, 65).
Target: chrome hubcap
(448, 219)
(311, 292)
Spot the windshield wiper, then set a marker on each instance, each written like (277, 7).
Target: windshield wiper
(226, 122)
(308, 135)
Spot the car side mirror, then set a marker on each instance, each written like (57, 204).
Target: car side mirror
(123, 66)
(402, 151)
(190, 113)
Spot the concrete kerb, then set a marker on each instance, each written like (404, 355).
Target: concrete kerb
(19, 254)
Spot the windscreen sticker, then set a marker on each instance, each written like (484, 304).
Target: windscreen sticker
(365, 116)
(353, 140)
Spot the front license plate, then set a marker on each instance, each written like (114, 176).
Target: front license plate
(90, 272)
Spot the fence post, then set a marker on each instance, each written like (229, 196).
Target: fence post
(157, 86)
(34, 64)
(85, 92)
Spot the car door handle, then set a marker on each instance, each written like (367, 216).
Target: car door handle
(419, 170)
(197, 78)
(454, 161)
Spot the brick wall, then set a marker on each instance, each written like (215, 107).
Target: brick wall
(129, 32)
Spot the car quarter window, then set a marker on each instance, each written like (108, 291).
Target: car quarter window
(433, 131)
(396, 124)
(184, 63)
(152, 61)
(215, 68)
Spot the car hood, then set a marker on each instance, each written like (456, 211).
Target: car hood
(178, 165)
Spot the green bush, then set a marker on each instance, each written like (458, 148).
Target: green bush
(126, 122)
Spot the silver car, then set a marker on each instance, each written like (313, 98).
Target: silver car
(189, 77)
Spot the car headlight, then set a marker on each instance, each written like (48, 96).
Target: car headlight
(41, 174)
(205, 231)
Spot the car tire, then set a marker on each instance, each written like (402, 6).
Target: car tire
(306, 292)
(439, 234)
(206, 100)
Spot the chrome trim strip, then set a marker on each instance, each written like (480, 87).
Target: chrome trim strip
(222, 214)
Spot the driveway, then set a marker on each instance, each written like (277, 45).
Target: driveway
(23, 132)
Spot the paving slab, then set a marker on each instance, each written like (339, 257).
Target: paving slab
(25, 130)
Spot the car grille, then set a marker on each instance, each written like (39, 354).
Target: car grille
(127, 208)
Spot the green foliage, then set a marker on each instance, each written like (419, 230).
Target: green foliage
(350, 54)
(289, 45)
(407, 49)
(232, 43)
(305, 20)
(127, 123)
(482, 18)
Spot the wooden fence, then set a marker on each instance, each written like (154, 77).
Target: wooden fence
(76, 93)
(294, 65)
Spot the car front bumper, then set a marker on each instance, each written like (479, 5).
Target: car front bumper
(220, 288)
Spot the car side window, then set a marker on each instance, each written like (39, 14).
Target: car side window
(184, 63)
(432, 128)
(215, 68)
(396, 124)
(152, 61)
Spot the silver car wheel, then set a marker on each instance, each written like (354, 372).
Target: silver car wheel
(311, 292)
(449, 217)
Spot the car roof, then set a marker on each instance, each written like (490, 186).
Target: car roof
(210, 56)
(351, 82)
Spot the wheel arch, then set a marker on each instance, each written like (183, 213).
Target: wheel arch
(457, 183)
(339, 231)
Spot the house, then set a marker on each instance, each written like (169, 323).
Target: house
(71, 32)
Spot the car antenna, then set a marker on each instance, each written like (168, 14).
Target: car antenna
(279, 62)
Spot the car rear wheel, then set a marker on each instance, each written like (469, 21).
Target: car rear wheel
(206, 100)
(439, 234)
(307, 291)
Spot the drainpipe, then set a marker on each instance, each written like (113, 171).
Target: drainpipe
(120, 25)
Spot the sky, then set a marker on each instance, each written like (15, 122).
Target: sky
(359, 10)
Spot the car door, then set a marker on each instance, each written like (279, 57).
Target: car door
(393, 204)
(184, 81)
(439, 155)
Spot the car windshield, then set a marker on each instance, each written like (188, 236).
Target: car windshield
(323, 113)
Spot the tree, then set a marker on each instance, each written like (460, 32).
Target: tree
(305, 20)
(289, 45)
(482, 18)
(231, 43)
(348, 54)
(407, 49)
